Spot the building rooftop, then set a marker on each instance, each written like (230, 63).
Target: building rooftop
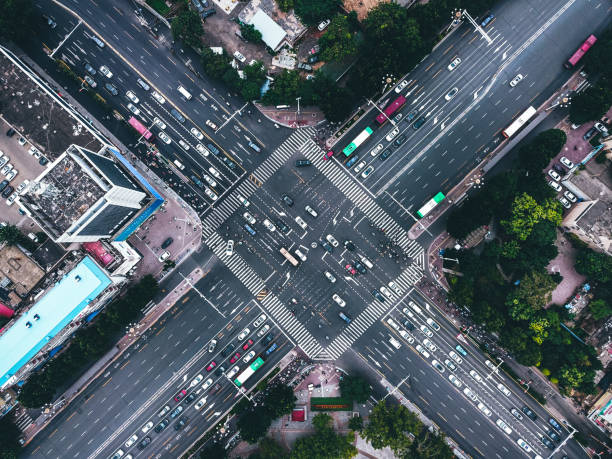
(288, 22)
(17, 271)
(51, 313)
(271, 33)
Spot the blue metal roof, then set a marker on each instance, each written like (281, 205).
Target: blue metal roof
(51, 313)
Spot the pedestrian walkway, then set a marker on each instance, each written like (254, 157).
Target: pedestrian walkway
(23, 420)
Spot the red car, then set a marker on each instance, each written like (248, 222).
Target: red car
(211, 365)
(246, 345)
(180, 395)
(236, 357)
(328, 155)
(350, 269)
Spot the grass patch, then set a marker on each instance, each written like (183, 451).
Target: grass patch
(159, 6)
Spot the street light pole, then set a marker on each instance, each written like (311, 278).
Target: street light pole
(463, 13)
(378, 108)
(239, 111)
(495, 370)
(407, 378)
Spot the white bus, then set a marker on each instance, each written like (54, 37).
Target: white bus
(186, 94)
(290, 258)
(519, 122)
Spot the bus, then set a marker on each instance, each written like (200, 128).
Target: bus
(362, 137)
(140, 128)
(186, 94)
(290, 258)
(394, 106)
(429, 205)
(246, 374)
(519, 122)
(572, 61)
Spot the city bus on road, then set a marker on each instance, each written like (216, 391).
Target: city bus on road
(572, 61)
(431, 204)
(519, 122)
(246, 374)
(290, 258)
(394, 106)
(362, 137)
(140, 128)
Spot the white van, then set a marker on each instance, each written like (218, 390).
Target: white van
(367, 262)
(186, 94)
(178, 164)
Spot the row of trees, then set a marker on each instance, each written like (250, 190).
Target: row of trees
(13, 236)
(9, 435)
(505, 285)
(88, 345)
(595, 101)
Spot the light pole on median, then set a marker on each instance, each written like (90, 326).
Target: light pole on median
(460, 14)
(383, 113)
(239, 111)
(495, 369)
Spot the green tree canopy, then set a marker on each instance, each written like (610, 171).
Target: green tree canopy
(249, 33)
(214, 65)
(284, 90)
(592, 103)
(536, 155)
(355, 387)
(16, 19)
(270, 449)
(285, 5)
(254, 423)
(332, 98)
(429, 445)
(356, 423)
(9, 434)
(339, 42)
(188, 27)
(526, 213)
(600, 309)
(311, 12)
(596, 265)
(388, 426)
(324, 444)
(280, 400)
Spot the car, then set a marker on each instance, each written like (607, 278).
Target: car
(4, 160)
(148, 426)
(229, 248)
(267, 338)
(471, 395)
(323, 25)
(207, 383)
(432, 347)
(452, 93)
(314, 49)
(411, 115)
(555, 186)
(352, 161)
(328, 155)
(311, 211)
(419, 122)
(303, 163)
(158, 97)
(385, 154)
(195, 381)
(391, 135)
(198, 406)
(287, 200)
(503, 389)
(524, 445)
(426, 331)
(332, 240)
(238, 55)
(555, 424)
(89, 69)
(11, 199)
(247, 358)
(211, 194)
(546, 442)
(486, 20)
(566, 162)
(12, 174)
(184, 145)
(433, 324)
(327, 246)
(376, 149)
(398, 117)
(144, 443)
(395, 343)
(164, 256)
(517, 414)
(348, 245)
(97, 41)
(167, 242)
(503, 426)
(530, 414)
(437, 366)
(451, 366)
(559, 169)
(280, 224)
(360, 166)
(330, 277)
(211, 365)
(452, 378)
(242, 200)
(181, 423)
(404, 334)
(219, 371)
(247, 344)
(143, 84)
(400, 140)
(269, 225)
(590, 133)
(197, 134)
(367, 172)
(208, 12)
(460, 349)
(229, 163)
(165, 138)
(415, 308)
(300, 221)
(212, 345)
(601, 128)
(454, 63)
(263, 330)
(564, 202)
(104, 70)
(455, 357)
(215, 150)
(90, 81)
(409, 313)
(339, 300)
(133, 439)
(482, 407)
(401, 86)
(5, 194)
(235, 357)
(249, 218)
(554, 435)
(132, 97)
(305, 67)
(162, 425)
(6, 169)
(385, 291)
(516, 80)
(11, 132)
(243, 334)
(135, 110)
(571, 197)
(22, 141)
(180, 395)
(376, 294)
(214, 172)
(393, 286)
(259, 321)
(233, 372)
(176, 411)
(422, 351)
(22, 186)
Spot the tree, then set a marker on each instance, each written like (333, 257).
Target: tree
(324, 444)
(338, 42)
(11, 235)
(596, 265)
(280, 400)
(313, 11)
(9, 433)
(600, 309)
(36, 391)
(17, 19)
(430, 445)
(213, 64)
(536, 155)
(534, 291)
(188, 27)
(249, 33)
(356, 423)
(592, 103)
(321, 421)
(215, 450)
(254, 424)
(355, 387)
(285, 5)
(270, 449)
(284, 90)
(526, 213)
(388, 427)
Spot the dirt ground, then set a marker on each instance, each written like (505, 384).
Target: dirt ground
(362, 7)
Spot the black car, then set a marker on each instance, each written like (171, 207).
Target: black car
(288, 200)
(281, 225)
(313, 59)
(110, 88)
(552, 434)
(144, 443)
(302, 163)
(190, 398)
(179, 425)
(349, 245)
(219, 371)
(167, 243)
(7, 191)
(400, 140)
(376, 294)
(359, 267)
(385, 154)
(418, 123)
(161, 426)
(529, 413)
(228, 350)
(216, 388)
(546, 442)
(3, 184)
(215, 151)
(267, 338)
(559, 168)
(231, 164)
(327, 246)
(10, 132)
(590, 133)
(209, 12)
(411, 115)
(42, 161)
(409, 325)
(90, 69)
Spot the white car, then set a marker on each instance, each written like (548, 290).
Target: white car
(470, 394)
(523, 444)
(323, 25)
(269, 225)
(247, 358)
(332, 240)
(503, 389)
(426, 331)
(259, 321)
(164, 410)
(243, 334)
(131, 441)
(376, 149)
(392, 134)
(438, 366)
(234, 371)
(34, 151)
(503, 426)
(393, 286)
(208, 179)
(432, 347)
(207, 384)
(211, 125)
(401, 86)
(211, 194)
(158, 97)
(330, 277)
(183, 144)
(164, 256)
(249, 218)
(409, 313)
(482, 407)
(130, 95)
(452, 378)
(566, 162)
(422, 351)
(554, 175)
(11, 199)
(451, 366)
(367, 172)
(134, 109)
(455, 357)
(4, 160)
(359, 166)
(198, 406)
(239, 56)
(433, 324)
(215, 173)
(454, 64)
(159, 123)
(6, 169)
(165, 138)
(13, 173)
(385, 291)
(571, 197)
(474, 374)
(104, 70)
(22, 186)
(311, 211)
(196, 380)
(450, 94)
(197, 134)
(564, 202)
(393, 323)
(555, 186)
(244, 201)
(516, 80)
(148, 426)
(338, 300)
(263, 330)
(202, 149)
(300, 221)
(212, 345)
(404, 334)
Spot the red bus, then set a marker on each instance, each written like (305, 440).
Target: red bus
(572, 61)
(140, 128)
(390, 110)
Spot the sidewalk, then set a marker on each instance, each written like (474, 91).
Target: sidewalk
(288, 117)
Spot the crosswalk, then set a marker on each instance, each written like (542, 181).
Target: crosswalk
(23, 420)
